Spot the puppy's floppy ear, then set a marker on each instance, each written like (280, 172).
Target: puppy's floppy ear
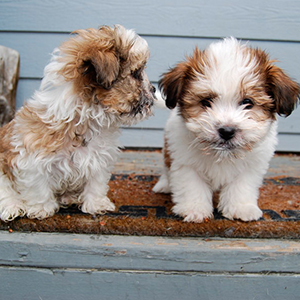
(91, 58)
(102, 68)
(174, 83)
(282, 89)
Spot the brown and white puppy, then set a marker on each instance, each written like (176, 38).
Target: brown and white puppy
(60, 146)
(221, 134)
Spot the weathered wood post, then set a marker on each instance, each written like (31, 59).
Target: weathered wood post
(9, 75)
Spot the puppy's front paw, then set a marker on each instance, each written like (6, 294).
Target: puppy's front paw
(97, 206)
(42, 211)
(196, 215)
(11, 212)
(245, 212)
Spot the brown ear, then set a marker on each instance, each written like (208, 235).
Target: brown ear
(174, 83)
(283, 90)
(90, 57)
(101, 68)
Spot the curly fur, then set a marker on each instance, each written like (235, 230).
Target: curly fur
(61, 145)
(222, 133)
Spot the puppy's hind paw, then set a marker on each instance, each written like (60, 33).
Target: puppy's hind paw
(99, 206)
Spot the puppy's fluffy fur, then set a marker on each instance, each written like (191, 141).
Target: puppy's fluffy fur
(60, 146)
(221, 134)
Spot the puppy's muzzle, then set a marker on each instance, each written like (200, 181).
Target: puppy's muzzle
(146, 102)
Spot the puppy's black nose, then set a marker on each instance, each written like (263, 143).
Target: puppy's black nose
(227, 132)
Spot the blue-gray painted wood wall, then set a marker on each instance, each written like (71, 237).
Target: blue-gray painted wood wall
(172, 29)
(61, 266)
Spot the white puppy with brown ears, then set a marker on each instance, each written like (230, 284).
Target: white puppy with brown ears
(221, 134)
(61, 145)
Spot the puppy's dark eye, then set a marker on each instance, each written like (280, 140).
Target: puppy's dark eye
(248, 103)
(137, 74)
(206, 102)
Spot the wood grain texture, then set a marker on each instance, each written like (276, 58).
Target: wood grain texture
(35, 50)
(72, 266)
(277, 20)
(60, 284)
(80, 251)
(144, 138)
(34, 28)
